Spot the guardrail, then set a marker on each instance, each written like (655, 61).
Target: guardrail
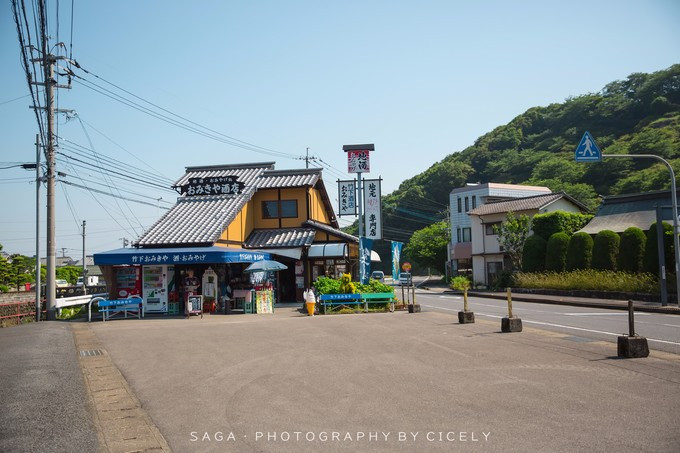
(18, 310)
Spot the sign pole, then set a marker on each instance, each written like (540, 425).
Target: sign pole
(361, 227)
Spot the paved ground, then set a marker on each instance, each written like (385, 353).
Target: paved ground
(44, 406)
(371, 382)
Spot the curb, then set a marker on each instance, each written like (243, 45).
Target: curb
(607, 305)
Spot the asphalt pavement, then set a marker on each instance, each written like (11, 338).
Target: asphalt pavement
(44, 406)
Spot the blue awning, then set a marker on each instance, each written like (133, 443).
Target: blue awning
(179, 255)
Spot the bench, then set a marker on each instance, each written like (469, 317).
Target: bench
(112, 308)
(345, 300)
(339, 300)
(379, 298)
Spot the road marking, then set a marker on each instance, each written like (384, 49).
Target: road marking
(603, 314)
(556, 325)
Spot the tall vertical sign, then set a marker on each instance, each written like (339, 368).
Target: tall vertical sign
(347, 198)
(358, 161)
(372, 210)
(396, 257)
(365, 247)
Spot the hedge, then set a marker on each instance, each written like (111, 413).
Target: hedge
(579, 252)
(545, 225)
(556, 254)
(652, 251)
(605, 250)
(533, 254)
(632, 250)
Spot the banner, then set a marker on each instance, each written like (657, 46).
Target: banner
(358, 161)
(365, 246)
(396, 257)
(372, 209)
(347, 197)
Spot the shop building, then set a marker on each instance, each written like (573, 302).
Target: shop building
(226, 218)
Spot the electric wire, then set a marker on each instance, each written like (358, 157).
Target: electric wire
(114, 196)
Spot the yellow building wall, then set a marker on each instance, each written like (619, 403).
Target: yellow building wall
(251, 216)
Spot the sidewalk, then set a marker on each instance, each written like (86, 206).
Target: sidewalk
(611, 304)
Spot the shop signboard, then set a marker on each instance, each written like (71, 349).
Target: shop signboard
(372, 209)
(264, 301)
(217, 185)
(358, 161)
(347, 198)
(194, 305)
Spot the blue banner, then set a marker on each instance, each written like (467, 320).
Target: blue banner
(365, 246)
(396, 257)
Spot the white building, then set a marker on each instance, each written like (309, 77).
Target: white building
(472, 196)
(488, 258)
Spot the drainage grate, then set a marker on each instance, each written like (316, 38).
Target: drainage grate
(90, 352)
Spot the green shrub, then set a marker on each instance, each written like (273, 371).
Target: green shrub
(373, 286)
(4, 289)
(460, 283)
(652, 251)
(605, 250)
(506, 279)
(556, 252)
(590, 279)
(325, 285)
(545, 225)
(579, 252)
(632, 250)
(533, 254)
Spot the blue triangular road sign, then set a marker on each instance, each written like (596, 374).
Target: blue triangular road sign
(587, 150)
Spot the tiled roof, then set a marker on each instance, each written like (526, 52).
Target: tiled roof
(202, 219)
(522, 204)
(272, 179)
(195, 220)
(284, 237)
(331, 230)
(246, 173)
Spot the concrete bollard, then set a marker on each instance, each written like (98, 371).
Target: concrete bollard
(631, 346)
(510, 323)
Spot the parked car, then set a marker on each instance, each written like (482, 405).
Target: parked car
(378, 275)
(61, 283)
(405, 279)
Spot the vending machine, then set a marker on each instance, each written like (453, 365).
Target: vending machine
(128, 281)
(155, 288)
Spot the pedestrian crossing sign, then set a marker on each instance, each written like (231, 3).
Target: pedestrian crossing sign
(587, 150)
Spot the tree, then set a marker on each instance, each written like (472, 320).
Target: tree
(512, 234)
(427, 246)
(632, 250)
(605, 250)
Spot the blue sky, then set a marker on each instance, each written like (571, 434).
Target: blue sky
(421, 80)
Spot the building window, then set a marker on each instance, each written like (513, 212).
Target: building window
(467, 234)
(459, 205)
(458, 233)
(474, 201)
(489, 228)
(467, 204)
(279, 209)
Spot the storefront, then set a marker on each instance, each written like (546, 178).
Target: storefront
(226, 218)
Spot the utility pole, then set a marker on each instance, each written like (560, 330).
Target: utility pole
(37, 228)
(84, 263)
(307, 159)
(48, 61)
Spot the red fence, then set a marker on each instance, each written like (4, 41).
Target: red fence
(18, 310)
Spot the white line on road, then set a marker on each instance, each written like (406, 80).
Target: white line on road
(603, 314)
(555, 325)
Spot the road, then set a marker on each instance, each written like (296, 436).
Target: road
(662, 331)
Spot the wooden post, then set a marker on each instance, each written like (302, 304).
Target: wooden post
(509, 303)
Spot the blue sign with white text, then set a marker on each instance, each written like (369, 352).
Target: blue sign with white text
(587, 150)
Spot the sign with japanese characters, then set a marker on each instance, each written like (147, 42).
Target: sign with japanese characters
(347, 197)
(372, 209)
(214, 185)
(358, 161)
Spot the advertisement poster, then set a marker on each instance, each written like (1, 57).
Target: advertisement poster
(264, 301)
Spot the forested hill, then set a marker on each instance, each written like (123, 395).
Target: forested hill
(639, 115)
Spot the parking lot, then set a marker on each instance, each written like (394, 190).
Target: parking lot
(386, 382)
